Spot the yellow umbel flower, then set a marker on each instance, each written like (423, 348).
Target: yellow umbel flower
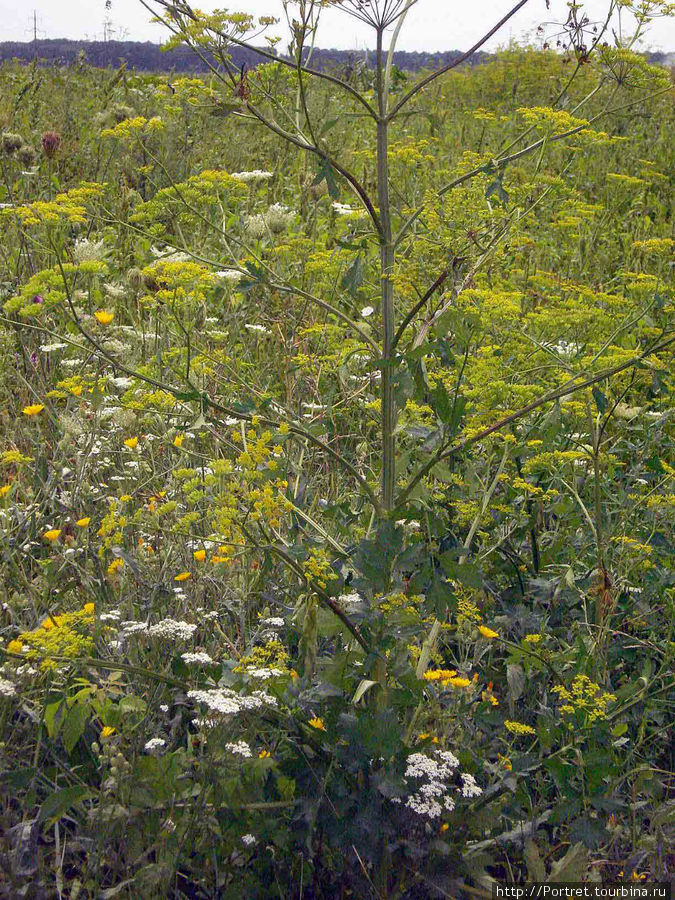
(518, 728)
(103, 316)
(52, 535)
(33, 410)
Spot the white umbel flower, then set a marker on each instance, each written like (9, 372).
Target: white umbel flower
(88, 251)
(239, 748)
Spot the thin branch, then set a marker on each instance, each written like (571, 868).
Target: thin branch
(565, 391)
(456, 62)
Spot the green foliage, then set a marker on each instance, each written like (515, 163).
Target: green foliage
(230, 667)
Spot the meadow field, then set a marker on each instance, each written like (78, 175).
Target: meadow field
(337, 474)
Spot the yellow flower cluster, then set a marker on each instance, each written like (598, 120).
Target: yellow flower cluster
(69, 207)
(554, 121)
(318, 569)
(138, 126)
(518, 728)
(447, 677)
(271, 655)
(67, 635)
(584, 697)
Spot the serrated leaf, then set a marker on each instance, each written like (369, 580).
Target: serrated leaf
(572, 866)
(536, 870)
(59, 802)
(515, 678)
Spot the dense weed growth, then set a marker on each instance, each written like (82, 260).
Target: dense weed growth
(336, 514)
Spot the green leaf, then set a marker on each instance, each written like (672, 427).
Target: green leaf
(600, 399)
(466, 573)
(59, 802)
(363, 688)
(572, 866)
(52, 718)
(353, 278)
(536, 870)
(74, 724)
(326, 173)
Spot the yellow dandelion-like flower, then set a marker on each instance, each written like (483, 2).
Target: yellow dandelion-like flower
(182, 576)
(317, 723)
(488, 632)
(458, 682)
(107, 731)
(103, 317)
(14, 647)
(200, 555)
(131, 443)
(89, 608)
(5, 489)
(178, 440)
(52, 535)
(443, 675)
(33, 410)
(444, 827)
(264, 754)
(125, 498)
(82, 523)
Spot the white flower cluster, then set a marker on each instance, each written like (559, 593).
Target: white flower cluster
(350, 600)
(255, 176)
(469, 786)
(51, 348)
(227, 703)
(7, 688)
(274, 622)
(432, 796)
(130, 627)
(263, 674)
(155, 744)
(239, 748)
(200, 657)
(113, 615)
(227, 275)
(88, 251)
(249, 839)
(172, 630)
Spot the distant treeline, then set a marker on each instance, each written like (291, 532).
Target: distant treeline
(150, 57)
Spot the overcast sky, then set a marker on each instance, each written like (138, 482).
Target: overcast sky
(431, 24)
